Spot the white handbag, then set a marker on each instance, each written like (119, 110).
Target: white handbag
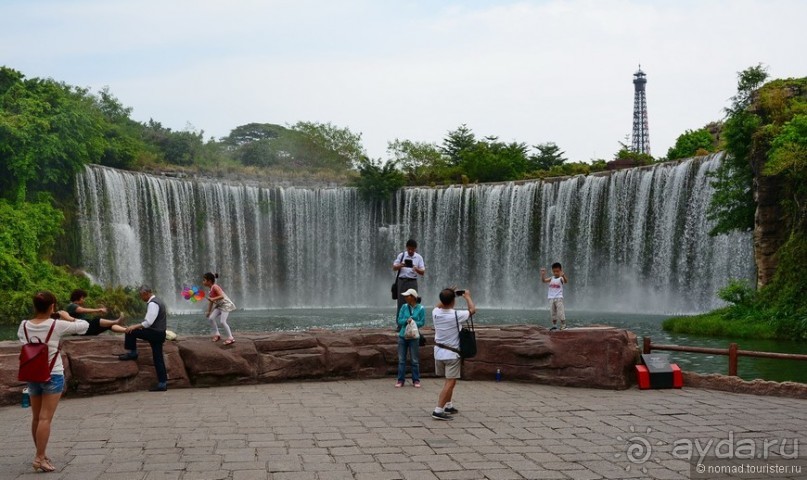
(411, 331)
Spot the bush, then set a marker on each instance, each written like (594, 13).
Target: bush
(378, 181)
(738, 292)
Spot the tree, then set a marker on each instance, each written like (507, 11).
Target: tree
(627, 153)
(456, 142)
(732, 206)
(252, 132)
(344, 147)
(748, 81)
(112, 108)
(420, 161)
(547, 156)
(490, 160)
(689, 143)
(177, 147)
(788, 158)
(378, 180)
(48, 132)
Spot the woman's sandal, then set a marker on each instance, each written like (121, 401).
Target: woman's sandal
(216, 338)
(43, 465)
(229, 341)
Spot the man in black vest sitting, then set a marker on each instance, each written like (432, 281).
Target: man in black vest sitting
(152, 330)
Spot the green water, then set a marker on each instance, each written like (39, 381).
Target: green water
(640, 324)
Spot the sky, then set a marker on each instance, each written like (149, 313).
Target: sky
(529, 71)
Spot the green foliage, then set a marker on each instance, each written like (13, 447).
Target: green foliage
(28, 235)
(342, 147)
(738, 292)
(27, 240)
(724, 322)
(732, 206)
(626, 153)
(785, 294)
(457, 142)
(690, 143)
(253, 132)
(490, 160)
(175, 147)
(547, 155)
(788, 159)
(48, 131)
(305, 145)
(421, 162)
(377, 180)
(748, 81)
(465, 158)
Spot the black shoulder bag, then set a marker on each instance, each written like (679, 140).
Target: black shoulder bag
(467, 339)
(394, 289)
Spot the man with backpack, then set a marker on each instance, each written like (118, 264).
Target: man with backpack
(447, 360)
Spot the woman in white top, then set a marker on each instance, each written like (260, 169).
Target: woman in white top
(45, 395)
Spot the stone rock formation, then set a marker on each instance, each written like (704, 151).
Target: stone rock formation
(738, 385)
(599, 357)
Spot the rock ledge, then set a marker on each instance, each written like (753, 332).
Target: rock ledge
(582, 357)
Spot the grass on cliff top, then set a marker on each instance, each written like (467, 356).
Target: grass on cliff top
(721, 323)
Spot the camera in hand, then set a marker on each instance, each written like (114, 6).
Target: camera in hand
(459, 293)
(408, 263)
(55, 315)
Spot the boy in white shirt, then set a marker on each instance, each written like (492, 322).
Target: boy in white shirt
(555, 295)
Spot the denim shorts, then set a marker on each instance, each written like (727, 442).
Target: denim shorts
(54, 386)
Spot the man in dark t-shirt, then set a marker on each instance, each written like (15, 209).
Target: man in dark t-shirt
(76, 309)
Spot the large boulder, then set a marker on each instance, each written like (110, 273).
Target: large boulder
(94, 366)
(601, 357)
(208, 363)
(598, 357)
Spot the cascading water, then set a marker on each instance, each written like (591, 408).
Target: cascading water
(632, 240)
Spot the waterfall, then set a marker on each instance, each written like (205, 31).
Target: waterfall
(631, 240)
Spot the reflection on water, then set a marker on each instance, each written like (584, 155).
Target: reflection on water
(641, 324)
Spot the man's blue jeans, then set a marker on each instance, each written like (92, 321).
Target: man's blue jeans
(413, 346)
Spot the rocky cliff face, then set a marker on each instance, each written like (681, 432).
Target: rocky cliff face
(770, 229)
(598, 357)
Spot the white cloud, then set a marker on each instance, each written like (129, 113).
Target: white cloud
(529, 71)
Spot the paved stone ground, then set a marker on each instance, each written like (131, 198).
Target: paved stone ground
(370, 430)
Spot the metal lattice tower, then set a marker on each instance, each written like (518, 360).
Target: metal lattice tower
(641, 134)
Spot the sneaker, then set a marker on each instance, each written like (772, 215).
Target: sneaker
(399, 384)
(554, 327)
(563, 327)
(441, 416)
(416, 384)
(451, 411)
(160, 387)
(128, 356)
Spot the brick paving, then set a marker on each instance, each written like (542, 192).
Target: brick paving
(369, 430)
